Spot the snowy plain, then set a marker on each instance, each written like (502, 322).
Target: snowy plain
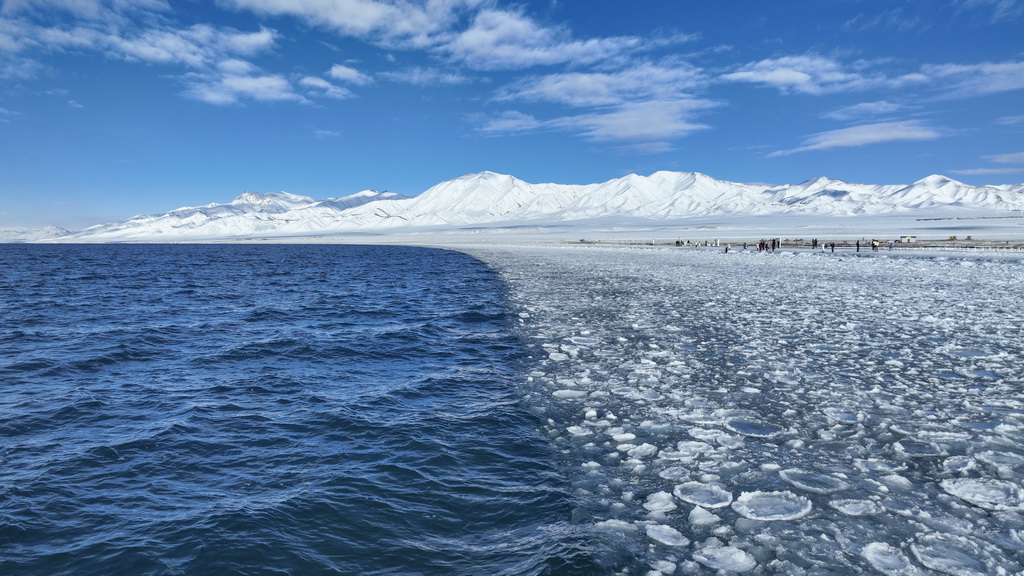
(781, 413)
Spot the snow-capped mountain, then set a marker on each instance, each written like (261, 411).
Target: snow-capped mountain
(495, 200)
(31, 235)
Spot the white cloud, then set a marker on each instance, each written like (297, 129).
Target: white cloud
(1011, 120)
(350, 75)
(504, 40)
(654, 121)
(815, 75)
(1012, 158)
(1001, 9)
(979, 79)
(640, 82)
(321, 87)
(863, 135)
(231, 88)
(987, 171)
(863, 110)
(195, 46)
(389, 22)
(509, 123)
(419, 76)
(88, 9)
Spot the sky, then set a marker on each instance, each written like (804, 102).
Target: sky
(113, 108)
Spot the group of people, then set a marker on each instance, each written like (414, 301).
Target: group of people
(774, 244)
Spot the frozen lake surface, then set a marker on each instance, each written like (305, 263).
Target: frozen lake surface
(781, 413)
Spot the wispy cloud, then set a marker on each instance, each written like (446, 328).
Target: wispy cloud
(646, 126)
(863, 135)
(1012, 158)
(419, 76)
(970, 80)
(816, 75)
(506, 40)
(653, 121)
(350, 75)
(509, 122)
(864, 110)
(320, 87)
(1008, 158)
(394, 23)
(1001, 10)
(234, 81)
(640, 82)
(1011, 120)
(987, 171)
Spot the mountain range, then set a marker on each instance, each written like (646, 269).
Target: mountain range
(493, 201)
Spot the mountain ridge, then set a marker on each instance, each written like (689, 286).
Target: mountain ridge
(491, 199)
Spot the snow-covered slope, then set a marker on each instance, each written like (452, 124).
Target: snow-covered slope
(498, 200)
(31, 235)
(251, 214)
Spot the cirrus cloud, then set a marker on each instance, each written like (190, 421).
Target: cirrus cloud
(863, 135)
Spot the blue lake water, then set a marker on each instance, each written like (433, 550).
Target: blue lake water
(269, 409)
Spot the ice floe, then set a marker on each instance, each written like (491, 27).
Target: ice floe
(787, 413)
(987, 493)
(781, 505)
(708, 496)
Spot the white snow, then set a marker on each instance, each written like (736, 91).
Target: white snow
(664, 202)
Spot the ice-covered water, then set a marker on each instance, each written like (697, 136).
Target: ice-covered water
(781, 413)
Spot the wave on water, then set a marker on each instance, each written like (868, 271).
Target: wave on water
(269, 409)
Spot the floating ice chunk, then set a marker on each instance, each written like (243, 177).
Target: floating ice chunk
(704, 495)
(667, 535)
(691, 448)
(843, 416)
(578, 431)
(617, 525)
(624, 437)
(958, 464)
(644, 450)
(987, 493)
(875, 465)
(675, 473)
(569, 394)
(753, 428)
(701, 517)
(897, 481)
(856, 507)
(728, 558)
(1004, 462)
(662, 567)
(888, 559)
(558, 356)
(781, 505)
(949, 555)
(813, 481)
(918, 449)
(660, 502)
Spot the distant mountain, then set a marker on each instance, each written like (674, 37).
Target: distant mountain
(32, 235)
(497, 200)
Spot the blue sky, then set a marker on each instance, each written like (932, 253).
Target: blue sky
(112, 108)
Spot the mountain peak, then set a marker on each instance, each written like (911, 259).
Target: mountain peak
(936, 180)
